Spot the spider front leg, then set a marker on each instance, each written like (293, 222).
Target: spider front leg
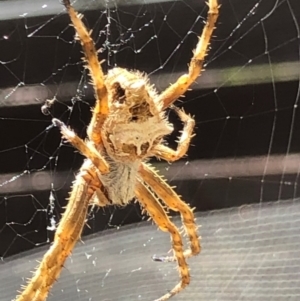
(157, 213)
(177, 89)
(101, 110)
(169, 154)
(168, 196)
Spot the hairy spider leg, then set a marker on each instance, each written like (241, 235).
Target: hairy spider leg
(86, 149)
(177, 89)
(67, 234)
(170, 155)
(101, 109)
(152, 206)
(169, 197)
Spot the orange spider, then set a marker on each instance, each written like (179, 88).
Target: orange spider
(127, 128)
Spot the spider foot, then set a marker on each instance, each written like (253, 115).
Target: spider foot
(58, 123)
(159, 258)
(162, 258)
(67, 133)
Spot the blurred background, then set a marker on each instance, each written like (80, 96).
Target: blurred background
(244, 157)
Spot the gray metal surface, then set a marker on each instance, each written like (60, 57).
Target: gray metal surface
(249, 253)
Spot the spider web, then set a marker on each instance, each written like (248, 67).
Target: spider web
(241, 174)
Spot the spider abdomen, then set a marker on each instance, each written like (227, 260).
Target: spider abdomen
(120, 182)
(127, 142)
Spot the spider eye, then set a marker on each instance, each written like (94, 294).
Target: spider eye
(118, 93)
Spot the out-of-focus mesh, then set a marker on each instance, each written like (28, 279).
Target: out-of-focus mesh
(249, 253)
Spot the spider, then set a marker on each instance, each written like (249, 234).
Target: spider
(127, 128)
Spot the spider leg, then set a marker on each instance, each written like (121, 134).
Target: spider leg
(101, 110)
(177, 89)
(157, 213)
(67, 234)
(99, 199)
(173, 201)
(169, 154)
(86, 149)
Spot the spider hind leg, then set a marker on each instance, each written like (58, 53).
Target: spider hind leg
(67, 234)
(150, 204)
(168, 196)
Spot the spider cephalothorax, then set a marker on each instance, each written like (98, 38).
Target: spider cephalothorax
(135, 123)
(128, 126)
